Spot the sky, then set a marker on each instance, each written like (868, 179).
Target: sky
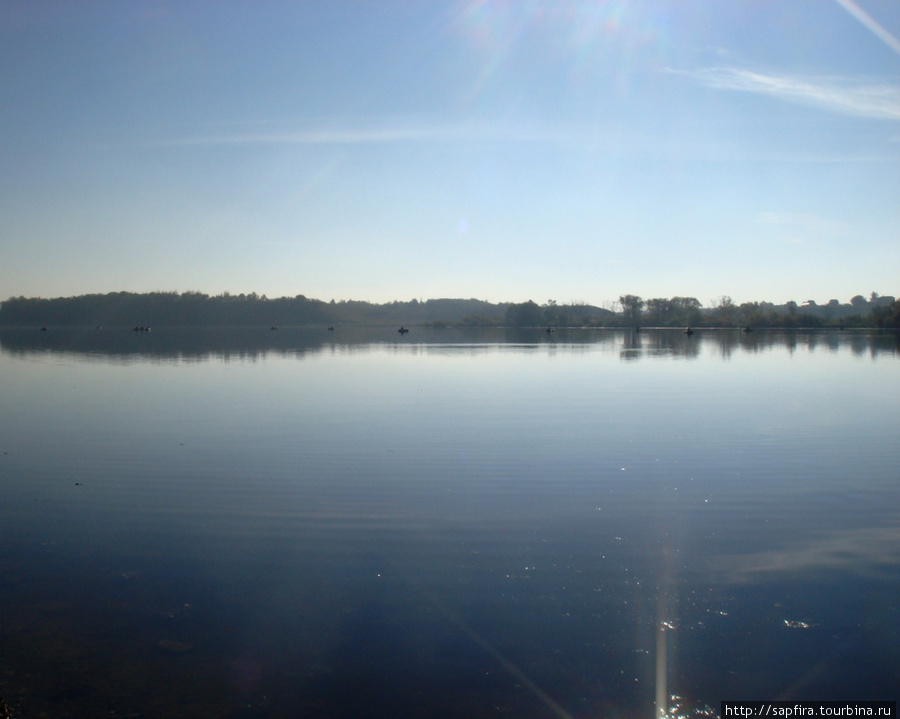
(388, 150)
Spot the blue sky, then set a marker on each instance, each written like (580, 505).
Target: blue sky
(384, 150)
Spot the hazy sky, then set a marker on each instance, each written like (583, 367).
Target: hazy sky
(515, 150)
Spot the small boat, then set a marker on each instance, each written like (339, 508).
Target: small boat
(331, 328)
(549, 330)
(689, 331)
(403, 330)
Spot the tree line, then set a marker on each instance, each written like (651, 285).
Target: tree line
(191, 309)
(199, 309)
(634, 311)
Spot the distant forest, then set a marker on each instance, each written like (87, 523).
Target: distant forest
(189, 309)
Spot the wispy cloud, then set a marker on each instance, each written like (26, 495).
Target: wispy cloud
(839, 95)
(315, 137)
(803, 229)
(379, 134)
(810, 223)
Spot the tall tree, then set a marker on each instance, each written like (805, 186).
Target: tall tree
(685, 310)
(658, 311)
(631, 309)
(724, 310)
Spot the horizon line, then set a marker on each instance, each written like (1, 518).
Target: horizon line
(571, 303)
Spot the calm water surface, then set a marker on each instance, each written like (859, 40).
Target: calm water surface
(301, 523)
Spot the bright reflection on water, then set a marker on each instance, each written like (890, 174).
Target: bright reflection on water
(251, 523)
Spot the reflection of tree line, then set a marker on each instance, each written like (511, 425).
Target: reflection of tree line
(637, 344)
(257, 343)
(171, 343)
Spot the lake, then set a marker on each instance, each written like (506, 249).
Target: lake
(447, 523)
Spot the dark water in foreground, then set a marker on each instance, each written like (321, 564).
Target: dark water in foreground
(245, 523)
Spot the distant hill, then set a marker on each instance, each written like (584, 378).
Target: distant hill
(174, 309)
(449, 311)
(162, 309)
